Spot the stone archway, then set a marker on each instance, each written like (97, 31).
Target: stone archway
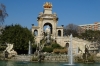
(67, 45)
(59, 32)
(36, 32)
(50, 25)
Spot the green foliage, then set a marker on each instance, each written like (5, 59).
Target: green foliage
(91, 58)
(91, 35)
(18, 35)
(34, 47)
(55, 45)
(2, 48)
(52, 47)
(47, 49)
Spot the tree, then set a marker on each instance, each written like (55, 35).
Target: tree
(71, 28)
(94, 36)
(90, 35)
(3, 13)
(18, 35)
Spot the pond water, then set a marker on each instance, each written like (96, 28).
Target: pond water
(17, 63)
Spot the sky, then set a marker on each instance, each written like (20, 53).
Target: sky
(78, 12)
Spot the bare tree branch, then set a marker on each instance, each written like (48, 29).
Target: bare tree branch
(3, 13)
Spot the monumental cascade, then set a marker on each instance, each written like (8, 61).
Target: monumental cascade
(48, 18)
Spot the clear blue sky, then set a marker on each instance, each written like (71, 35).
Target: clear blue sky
(25, 12)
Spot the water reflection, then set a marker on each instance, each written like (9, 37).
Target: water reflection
(17, 63)
(6, 63)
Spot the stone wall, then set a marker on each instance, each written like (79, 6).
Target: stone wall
(22, 58)
(56, 58)
(77, 43)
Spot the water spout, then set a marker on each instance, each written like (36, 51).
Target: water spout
(70, 52)
(29, 49)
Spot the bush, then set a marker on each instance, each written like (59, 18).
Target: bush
(56, 46)
(56, 51)
(62, 51)
(2, 48)
(34, 46)
(91, 58)
(47, 49)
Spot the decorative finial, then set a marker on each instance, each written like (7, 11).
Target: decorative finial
(47, 5)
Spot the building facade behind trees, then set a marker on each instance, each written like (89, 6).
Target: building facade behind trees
(95, 26)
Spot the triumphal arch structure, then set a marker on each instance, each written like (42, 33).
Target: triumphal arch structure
(47, 17)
